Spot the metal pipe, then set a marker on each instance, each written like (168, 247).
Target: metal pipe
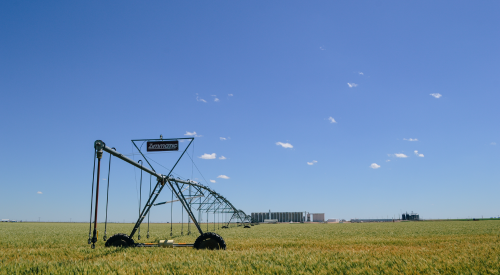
(94, 237)
(189, 198)
(92, 199)
(124, 158)
(140, 201)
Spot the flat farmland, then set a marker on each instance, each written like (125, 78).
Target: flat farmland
(449, 247)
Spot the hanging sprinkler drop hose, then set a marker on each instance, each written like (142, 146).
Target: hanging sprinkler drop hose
(107, 198)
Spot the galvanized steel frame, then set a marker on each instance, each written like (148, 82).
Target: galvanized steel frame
(210, 195)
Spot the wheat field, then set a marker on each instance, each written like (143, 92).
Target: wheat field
(448, 247)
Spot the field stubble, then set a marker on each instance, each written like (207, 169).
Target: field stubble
(459, 247)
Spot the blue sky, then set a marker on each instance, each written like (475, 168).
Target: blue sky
(412, 87)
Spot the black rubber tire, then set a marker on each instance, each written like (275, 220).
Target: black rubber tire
(120, 240)
(210, 240)
(247, 226)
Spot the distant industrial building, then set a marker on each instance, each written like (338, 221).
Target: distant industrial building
(279, 216)
(332, 220)
(410, 217)
(316, 217)
(288, 216)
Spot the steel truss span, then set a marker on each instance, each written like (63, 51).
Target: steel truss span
(205, 200)
(196, 199)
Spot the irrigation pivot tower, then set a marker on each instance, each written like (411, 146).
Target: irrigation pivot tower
(199, 198)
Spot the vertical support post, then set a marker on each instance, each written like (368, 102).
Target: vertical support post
(94, 235)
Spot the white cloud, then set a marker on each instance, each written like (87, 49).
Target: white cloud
(312, 162)
(200, 99)
(400, 155)
(493, 143)
(332, 120)
(436, 95)
(192, 134)
(375, 166)
(322, 48)
(208, 156)
(230, 95)
(410, 139)
(216, 100)
(223, 138)
(284, 145)
(388, 160)
(420, 155)
(361, 73)
(212, 181)
(222, 157)
(223, 177)
(39, 192)
(352, 85)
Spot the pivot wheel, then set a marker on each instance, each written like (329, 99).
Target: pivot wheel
(210, 240)
(120, 240)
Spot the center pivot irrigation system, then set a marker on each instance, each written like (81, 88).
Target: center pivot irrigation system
(194, 197)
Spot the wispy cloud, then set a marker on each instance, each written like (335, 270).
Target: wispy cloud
(322, 48)
(39, 192)
(420, 155)
(223, 177)
(388, 160)
(312, 162)
(361, 73)
(374, 166)
(284, 145)
(222, 157)
(436, 95)
(223, 138)
(400, 155)
(216, 100)
(192, 134)
(208, 156)
(212, 181)
(200, 99)
(230, 95)
(332, 120)
(352, 85)
(493, 143)
(410, 139)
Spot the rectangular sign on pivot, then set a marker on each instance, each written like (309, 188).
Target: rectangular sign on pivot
(155, 146)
